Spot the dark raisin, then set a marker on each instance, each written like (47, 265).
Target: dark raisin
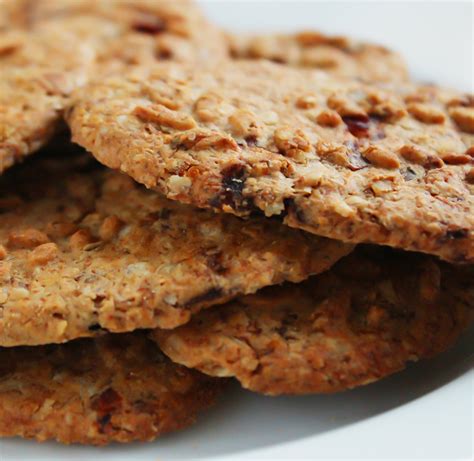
(457, 234)
(251, 140)
(358, 125)
(107, 402)
(277, 60)
(233, 181)
(98, 300)
(150, 26)
(164, 54)
(103, 421)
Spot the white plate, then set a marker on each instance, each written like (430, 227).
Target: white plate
(424, 412)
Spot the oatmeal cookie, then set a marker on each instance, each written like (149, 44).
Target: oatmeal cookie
(338, 55)
(117, 388)
(364, 319)
(85, 249)
(149, 29)
(36, 80)
(58, 45)
(384, 164)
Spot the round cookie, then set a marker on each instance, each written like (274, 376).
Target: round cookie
(360, 321)
(117, 388)
(391, 165)
(38, 74)
(338, 55)
(150, 30)
(83, 249)
(54, 46)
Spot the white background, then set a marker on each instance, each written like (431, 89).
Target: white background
(425, 412)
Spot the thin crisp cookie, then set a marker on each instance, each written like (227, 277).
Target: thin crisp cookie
(117, 388)
(84, 249)
(38, 74)
(149, 30)
(391, 165)
(338, 55)
(56, 46)
(364, 319)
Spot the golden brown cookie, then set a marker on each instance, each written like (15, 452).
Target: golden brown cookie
(391, 165)
(83, 249)
(38, 74)
(116, 388)
(149, 29)
(338, 55)
(53, 46)
(364, 319)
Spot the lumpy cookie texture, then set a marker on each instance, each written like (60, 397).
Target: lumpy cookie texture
(146, 30)
(364, 319)
(48, 48)
(385, 164)
(117, 388)
(338, 55)
(83, 249)
(37, 76)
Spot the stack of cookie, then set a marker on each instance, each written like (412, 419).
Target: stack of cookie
(289, 211)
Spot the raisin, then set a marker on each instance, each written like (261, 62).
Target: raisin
(357, 125)
(233, 182)
(456, 234)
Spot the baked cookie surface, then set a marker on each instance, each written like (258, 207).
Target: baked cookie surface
(338, 55)
(38, 74)
(52, 47)
(385, 164)
(362, 320)
(148, 29)
(116, 388)
(84, 249)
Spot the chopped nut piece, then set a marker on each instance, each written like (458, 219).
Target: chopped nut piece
(216, 141)
(178, 184)
(345, 107)
(291, 143)
(161, 115)
(60, 229)
(3, 252)
(206, 107)
(110, 227)
(329, 118)
(420, 156)
(243, 123)
(307, 101)
(43, 254)
(382, 187)
(426, 113)
(381, 157)
(80, 239)
(464, 117)
(27, 238)
(453, 158)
